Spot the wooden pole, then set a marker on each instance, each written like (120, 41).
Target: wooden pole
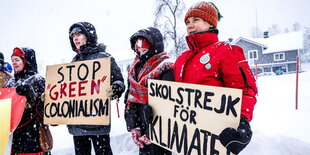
(117, 101)
(256, 70)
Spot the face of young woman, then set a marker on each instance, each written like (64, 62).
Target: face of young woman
(17, 63)
(196, 24)
(79, 40)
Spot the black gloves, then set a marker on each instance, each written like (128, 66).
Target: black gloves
(116, 90)
(236, 140)
(27, 91)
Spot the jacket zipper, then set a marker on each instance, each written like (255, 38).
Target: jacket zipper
(243, 76)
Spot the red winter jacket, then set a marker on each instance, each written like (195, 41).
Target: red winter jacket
(213, 63)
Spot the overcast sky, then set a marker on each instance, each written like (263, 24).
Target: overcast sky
(43, 24)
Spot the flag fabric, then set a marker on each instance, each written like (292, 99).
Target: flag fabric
(17, 106)
(12, 108)
(5, 119)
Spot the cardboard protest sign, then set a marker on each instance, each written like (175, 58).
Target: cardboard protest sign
(75, 93)
(188, 117)
(5, 119)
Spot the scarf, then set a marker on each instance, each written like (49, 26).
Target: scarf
(152, 69)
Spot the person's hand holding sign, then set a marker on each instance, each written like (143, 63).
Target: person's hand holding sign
(115, 91)
(236, 140)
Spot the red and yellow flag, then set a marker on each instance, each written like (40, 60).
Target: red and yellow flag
(12, 108)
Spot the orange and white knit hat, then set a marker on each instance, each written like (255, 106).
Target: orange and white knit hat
(206, 11)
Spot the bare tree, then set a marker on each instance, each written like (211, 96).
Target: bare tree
(296, 27)
(167, 16)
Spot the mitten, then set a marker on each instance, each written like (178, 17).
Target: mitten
(145, 140)
(115, 91)
(236, 140)
(136, 134)
(147, 113)
(27, 91)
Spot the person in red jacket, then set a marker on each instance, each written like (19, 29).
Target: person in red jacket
(214, 63)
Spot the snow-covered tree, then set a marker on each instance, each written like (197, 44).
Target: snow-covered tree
(305, 56)
(168, 15)
(274, 30)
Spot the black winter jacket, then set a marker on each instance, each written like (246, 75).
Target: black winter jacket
(26, 135)
(135, 115)
(93, 50)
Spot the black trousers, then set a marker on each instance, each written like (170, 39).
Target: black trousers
(153, 149)
(101, 145)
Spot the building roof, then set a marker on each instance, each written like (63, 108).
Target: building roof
(278, 43)
(250, 41)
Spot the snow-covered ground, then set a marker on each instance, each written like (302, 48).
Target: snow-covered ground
(278, 128)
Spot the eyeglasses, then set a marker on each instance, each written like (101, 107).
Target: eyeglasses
(75, 30)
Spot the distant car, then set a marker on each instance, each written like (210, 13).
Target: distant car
(267, 74)
(279, 72)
